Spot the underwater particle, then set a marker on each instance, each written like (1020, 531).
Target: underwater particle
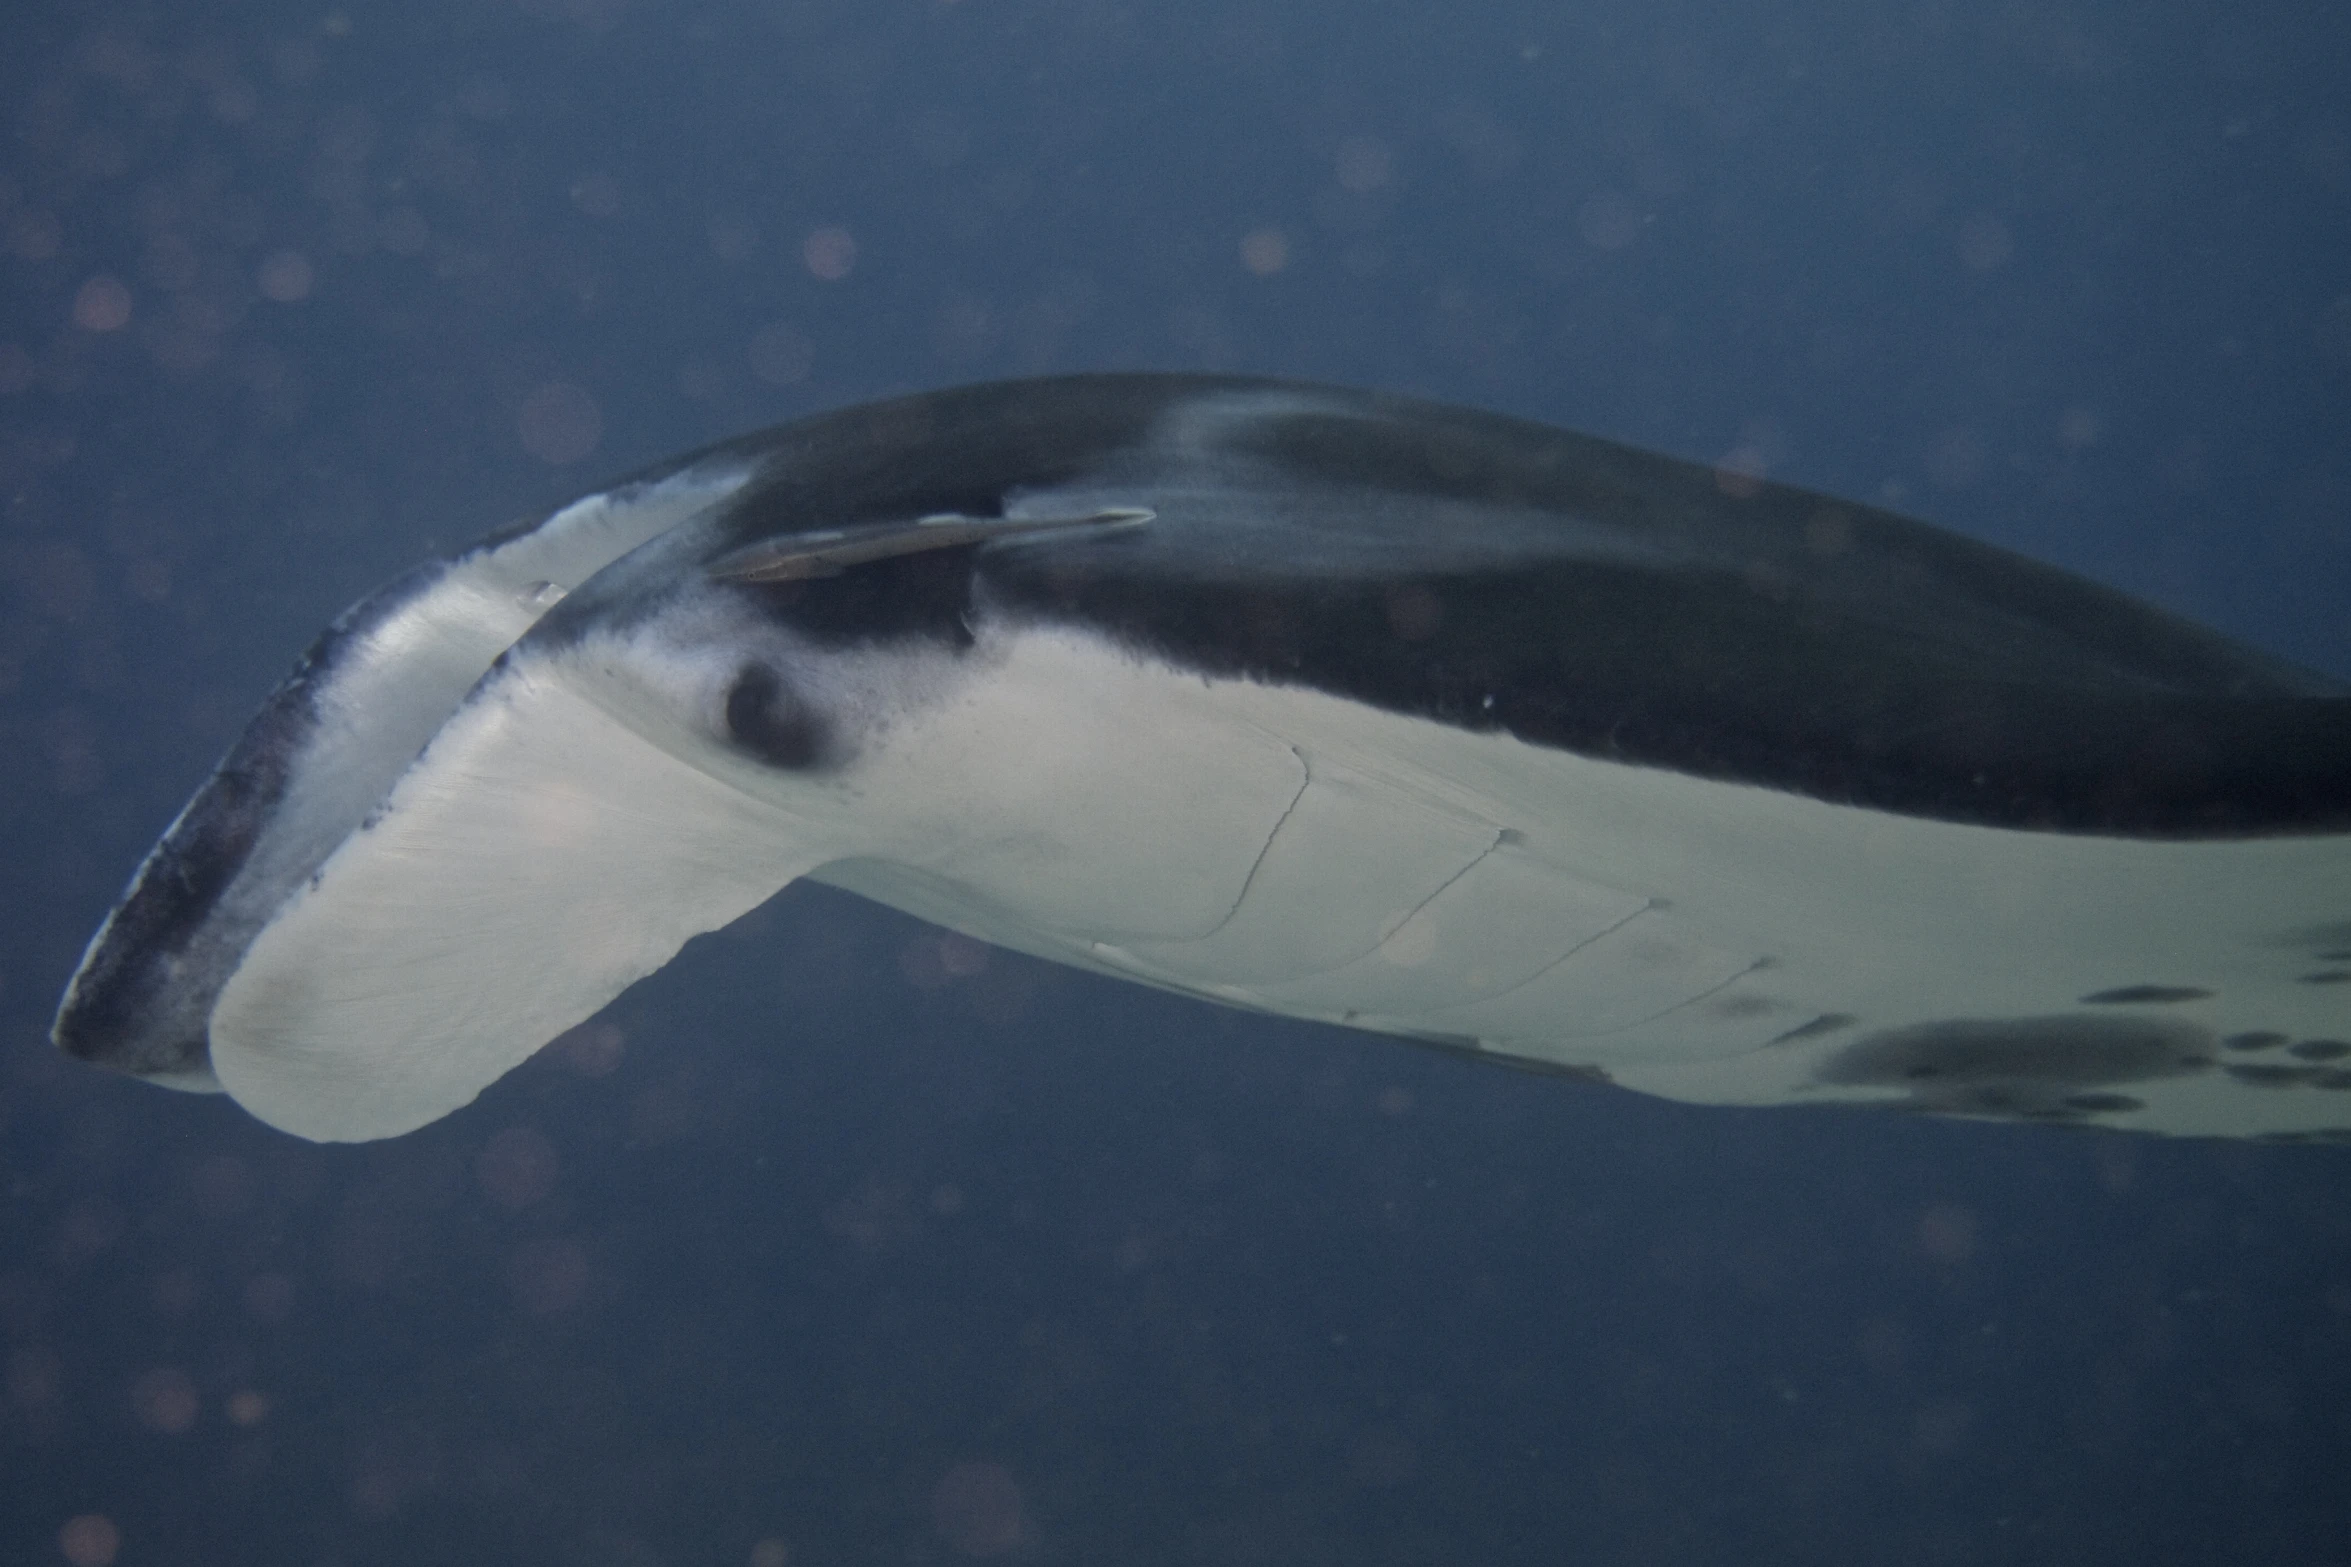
(732, 239)
(517, 1167)
(103, 304)
(560, 423)
(771, 1552)
(175, 1291)
(1362, 163)
(2079, 428)
(403, 231)
(270, 1296)
(35, 1376)
(1379, 1457)
(1956, 458)
(930, 962)
(171, 263)
(285, 276)
(1985, 243)
(166, 1401)
(830, 252)
(961, 957)
(781, 354)
(1947, 1233)
(977, 1510)
(222, 1185)
(1265, 251)
(938, 140)
(1609, 221)
(89, 1540)
(247, 1408)
(547, 1274)
(1415, 614)
(1739, 472)
(36, 236)
(596, 194)
(592, 1049)
(1942, 1426)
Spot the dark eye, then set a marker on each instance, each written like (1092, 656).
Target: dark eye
(766, 719)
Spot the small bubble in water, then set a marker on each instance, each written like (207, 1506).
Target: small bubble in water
(102, 304)
(285, 276)
(1265, 251)
(90, 1540)
(166, 1401)
(830, 253)
(560, 423)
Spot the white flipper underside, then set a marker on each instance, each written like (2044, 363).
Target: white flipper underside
(1295, 852)
(538, 860)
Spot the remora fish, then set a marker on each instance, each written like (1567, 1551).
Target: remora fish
(1333, 705)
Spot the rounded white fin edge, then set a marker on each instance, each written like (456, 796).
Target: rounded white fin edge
(537, 860)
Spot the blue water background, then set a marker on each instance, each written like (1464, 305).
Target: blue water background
(836, 1243)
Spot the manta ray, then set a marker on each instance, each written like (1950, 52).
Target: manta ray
(1403, 717)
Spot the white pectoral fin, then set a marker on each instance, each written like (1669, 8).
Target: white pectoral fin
(537, 859)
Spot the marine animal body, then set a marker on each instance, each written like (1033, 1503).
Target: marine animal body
(1335, 705)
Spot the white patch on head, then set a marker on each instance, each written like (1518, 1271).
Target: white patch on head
(407, 675)
(673, 675)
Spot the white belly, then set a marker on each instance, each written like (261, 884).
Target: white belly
(1704, 940)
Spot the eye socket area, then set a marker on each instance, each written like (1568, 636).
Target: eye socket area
(768, 720)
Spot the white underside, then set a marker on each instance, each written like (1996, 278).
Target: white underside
(1269, 847)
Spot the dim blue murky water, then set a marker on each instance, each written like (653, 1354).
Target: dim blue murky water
(844, 1242)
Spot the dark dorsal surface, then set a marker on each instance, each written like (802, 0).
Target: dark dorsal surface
(1495, 574)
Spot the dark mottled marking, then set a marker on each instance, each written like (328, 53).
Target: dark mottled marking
(2320, 1050)
(2253, 1041)
(1826, 1023)
(2265, 1074)
(1465, 1044)
(2333, 939)
(771, 722)
(2328, 976)
(2027, 1068)
(2103, 1104)
(2334, 1079)
(2332, 957)
(1744, 1006)
(2126, 994)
